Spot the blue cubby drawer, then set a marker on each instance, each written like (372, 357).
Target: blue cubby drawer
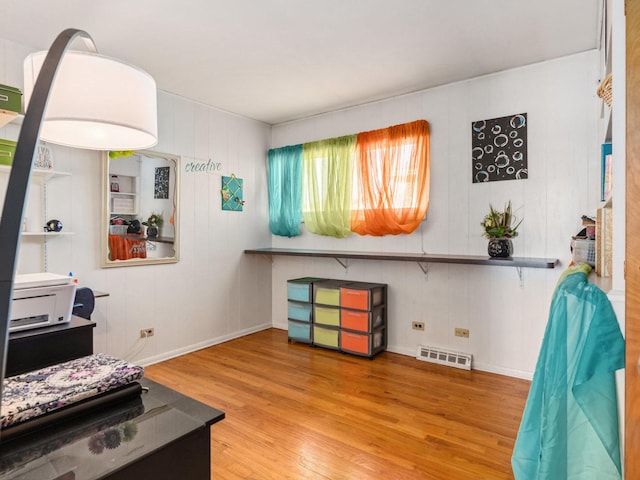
(300, 331)
(301, 289)
(299, 311)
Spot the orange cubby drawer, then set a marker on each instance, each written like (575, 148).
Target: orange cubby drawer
(362, 321)
(367, 344)
(362, 295)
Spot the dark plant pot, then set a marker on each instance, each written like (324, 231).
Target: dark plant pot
(500, 247)
(152, 232)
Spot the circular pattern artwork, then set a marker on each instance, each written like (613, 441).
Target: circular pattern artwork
(499, 149)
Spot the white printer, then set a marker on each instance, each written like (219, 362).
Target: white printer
(41, 299)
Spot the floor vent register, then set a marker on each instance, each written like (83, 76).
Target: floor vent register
(444, 357)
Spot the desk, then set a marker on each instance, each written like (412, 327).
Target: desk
(159, 435)
(40, 347)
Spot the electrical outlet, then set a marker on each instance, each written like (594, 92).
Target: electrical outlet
(462, 332)
(146, 332)
(417, 326)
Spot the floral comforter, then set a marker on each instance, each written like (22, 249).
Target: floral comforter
(35, 393)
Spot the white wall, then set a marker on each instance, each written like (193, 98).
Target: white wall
(506, 319)
(214, 293)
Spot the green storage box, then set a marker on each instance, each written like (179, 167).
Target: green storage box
(10, 98)
(7, 151)
(326, 315)
(326, 337)
(327, 292)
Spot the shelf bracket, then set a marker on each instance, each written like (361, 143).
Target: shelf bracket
(424, 267)
(521, 276)
(268, 257)
(344, 263)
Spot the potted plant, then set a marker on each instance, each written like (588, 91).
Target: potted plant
(153, 223)
(500, 226)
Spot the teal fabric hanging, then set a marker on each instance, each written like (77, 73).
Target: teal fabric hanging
(569, 428)
(284, 169)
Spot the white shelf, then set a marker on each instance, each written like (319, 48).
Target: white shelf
(7, 117)
(46, 234)
(37, 172)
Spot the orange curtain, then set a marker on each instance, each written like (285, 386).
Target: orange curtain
(391, 179)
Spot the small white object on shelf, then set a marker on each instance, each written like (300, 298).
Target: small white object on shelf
(44, 157)
(584, 250)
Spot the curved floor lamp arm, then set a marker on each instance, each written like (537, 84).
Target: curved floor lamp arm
(19, 179)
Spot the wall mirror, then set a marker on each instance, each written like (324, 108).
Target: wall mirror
(140, 220)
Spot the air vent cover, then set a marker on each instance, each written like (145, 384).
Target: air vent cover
(444, 357)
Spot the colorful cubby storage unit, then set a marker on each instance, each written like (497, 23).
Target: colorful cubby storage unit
(341, 315)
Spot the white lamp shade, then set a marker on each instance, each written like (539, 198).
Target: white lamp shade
(96, 102)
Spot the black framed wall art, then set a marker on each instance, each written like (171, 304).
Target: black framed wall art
(499, 149)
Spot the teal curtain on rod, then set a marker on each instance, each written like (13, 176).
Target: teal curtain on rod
(569, 428)
(284, 169)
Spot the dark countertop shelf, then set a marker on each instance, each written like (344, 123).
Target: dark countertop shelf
(133, 236)
(158, 434)
(75, 322)
(528, 262)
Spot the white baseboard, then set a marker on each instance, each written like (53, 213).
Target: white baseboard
(483, 367)
(411, 352)
(199, 346)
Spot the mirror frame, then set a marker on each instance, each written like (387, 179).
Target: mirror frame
(104, 230)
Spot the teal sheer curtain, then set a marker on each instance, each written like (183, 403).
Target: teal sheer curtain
(326, 194)
(569, 427)
(284, 169)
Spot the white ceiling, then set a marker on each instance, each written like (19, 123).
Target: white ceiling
(278, 60)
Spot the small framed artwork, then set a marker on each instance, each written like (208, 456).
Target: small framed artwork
(232, 191)
(499, 149)
(606, 173)
(161, 185)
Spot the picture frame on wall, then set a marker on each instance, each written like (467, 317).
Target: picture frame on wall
(606, 164)
(499, 149)
(161, 183)
(232, 193)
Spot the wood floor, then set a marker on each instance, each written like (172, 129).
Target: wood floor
(298, 412)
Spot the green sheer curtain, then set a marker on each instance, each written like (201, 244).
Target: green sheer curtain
(327, 168)
(284, 169)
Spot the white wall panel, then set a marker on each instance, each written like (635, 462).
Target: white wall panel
(506, 319)
(215, 292)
